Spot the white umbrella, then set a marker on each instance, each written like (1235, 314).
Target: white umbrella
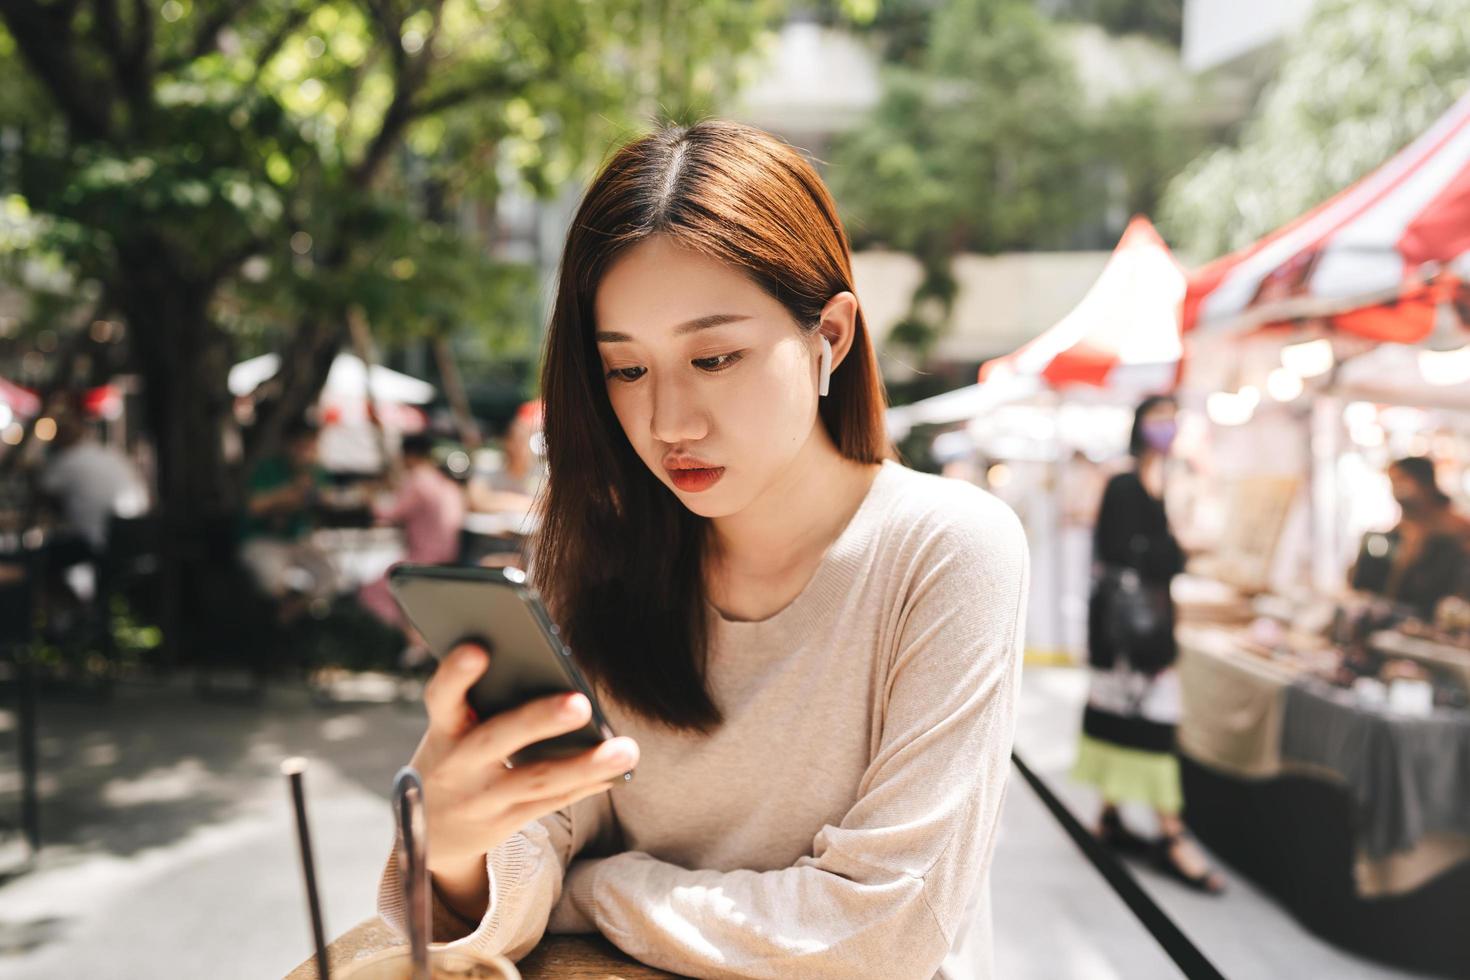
(346, 381)
(960, 404)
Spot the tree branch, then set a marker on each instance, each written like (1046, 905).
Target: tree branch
(47, 43)
(304, 366)
(502, 79)
(142, 35)
(107, 24)
(426, 53)
(395, 120)
(128, 57)
(390, 23)
(273, 44)
(408, 75)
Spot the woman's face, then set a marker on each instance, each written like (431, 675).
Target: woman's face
(704, 369)
(1407, 492)
(1160, 426)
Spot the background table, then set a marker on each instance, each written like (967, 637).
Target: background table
(1451, 660)
(570, 957)
(1295, 830)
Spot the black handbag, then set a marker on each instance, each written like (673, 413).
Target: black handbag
(1138, 619)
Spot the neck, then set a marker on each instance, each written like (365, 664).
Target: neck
(1423, 511)
(797, 515)
(1151, 471)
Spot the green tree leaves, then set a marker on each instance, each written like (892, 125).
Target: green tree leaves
(1357, 83)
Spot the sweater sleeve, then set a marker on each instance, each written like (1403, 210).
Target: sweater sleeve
(908, 856)
(525, 876)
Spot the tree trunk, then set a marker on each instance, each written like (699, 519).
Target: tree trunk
(367, 352)
(184, 359)
(459, 403)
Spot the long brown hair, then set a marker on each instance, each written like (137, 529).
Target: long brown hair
(617, 556)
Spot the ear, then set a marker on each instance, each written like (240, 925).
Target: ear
(839, 324)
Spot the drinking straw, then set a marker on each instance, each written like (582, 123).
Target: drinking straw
(292, 769)
(408, 800)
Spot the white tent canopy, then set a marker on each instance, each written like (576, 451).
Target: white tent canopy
(347, 381)
(968, 402)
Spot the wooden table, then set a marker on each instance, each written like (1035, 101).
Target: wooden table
(571, 957)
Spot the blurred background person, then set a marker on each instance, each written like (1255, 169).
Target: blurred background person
(89, 483)
(430, 508)
(86, 484)
(503, 498)
(1127, 747)
(281, 495)
(1426, 556)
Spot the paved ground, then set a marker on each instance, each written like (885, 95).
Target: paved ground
(170, 852)
(1244, 932)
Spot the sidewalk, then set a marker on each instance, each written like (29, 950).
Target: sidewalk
(1244, 932)
(170, 851)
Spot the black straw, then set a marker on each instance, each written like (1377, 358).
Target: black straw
(292, 769)
(408, 795)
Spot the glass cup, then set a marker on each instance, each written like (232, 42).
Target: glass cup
(444, 964)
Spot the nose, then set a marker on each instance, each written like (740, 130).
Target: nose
(677, 415)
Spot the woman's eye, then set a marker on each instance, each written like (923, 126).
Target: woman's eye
(717, 363)
(625, 374)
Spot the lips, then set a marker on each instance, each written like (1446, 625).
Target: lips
(693, 476)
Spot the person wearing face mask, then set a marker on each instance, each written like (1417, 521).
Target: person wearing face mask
(1426, 557)
(1127, 747)
(810, 651)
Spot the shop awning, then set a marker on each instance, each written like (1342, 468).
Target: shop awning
(1128, 320)
(1123, 335)
(1376, 259)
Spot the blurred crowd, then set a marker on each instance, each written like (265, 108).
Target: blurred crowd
(301, 530)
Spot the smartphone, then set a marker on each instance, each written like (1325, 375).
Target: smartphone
(495, 607)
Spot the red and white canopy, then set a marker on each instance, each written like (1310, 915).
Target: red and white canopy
(1376, 258)
(1128, 320)
(1123, 337)
(22, 402)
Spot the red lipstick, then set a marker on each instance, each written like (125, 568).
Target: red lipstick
(692, 475)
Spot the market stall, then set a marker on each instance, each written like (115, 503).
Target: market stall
(1351, 813)
(1326, 735)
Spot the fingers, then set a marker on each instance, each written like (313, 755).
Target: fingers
(555, 778)
(445, 694)
(523, 813)
(507, 733)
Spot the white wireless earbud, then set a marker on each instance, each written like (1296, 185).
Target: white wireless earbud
(825, 377)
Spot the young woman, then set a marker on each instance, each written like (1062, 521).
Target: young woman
(1127, 746)
(810, 652)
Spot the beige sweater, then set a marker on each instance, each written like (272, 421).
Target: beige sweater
(841, 821)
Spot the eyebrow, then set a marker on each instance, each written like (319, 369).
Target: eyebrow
(699, 323)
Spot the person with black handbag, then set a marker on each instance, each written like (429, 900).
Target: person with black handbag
(1127, 747)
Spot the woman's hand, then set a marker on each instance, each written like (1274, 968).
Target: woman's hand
(472, 801)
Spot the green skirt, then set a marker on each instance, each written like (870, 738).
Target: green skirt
(1124, 775)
